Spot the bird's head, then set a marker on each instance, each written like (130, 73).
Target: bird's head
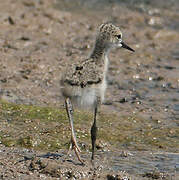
(112, 36)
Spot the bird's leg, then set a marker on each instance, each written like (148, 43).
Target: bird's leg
(73, 145)
(94, 133)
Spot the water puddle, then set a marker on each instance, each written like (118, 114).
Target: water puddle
(145, 162)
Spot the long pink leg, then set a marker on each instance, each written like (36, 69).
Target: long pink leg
(74, 145)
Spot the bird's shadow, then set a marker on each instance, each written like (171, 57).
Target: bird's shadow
(51, 155)
(54, 156)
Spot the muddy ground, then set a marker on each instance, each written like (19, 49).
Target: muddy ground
(141, 112)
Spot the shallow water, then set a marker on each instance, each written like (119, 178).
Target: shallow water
(145, 162)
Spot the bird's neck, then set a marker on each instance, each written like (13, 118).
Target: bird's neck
(100, 51)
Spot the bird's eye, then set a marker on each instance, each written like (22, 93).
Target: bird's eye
(119, 36)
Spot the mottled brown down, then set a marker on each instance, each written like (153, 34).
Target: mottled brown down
(84, 73)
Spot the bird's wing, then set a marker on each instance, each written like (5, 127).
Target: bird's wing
(83, 73)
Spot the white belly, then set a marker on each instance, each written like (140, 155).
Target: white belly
(88, 98)
(85, 98)
(91, 96)
(103, 90)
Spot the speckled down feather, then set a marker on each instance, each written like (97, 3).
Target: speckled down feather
(83, 73)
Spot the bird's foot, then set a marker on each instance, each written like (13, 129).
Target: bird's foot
(74, 146)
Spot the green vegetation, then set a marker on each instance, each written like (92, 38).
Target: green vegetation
(47, 128)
